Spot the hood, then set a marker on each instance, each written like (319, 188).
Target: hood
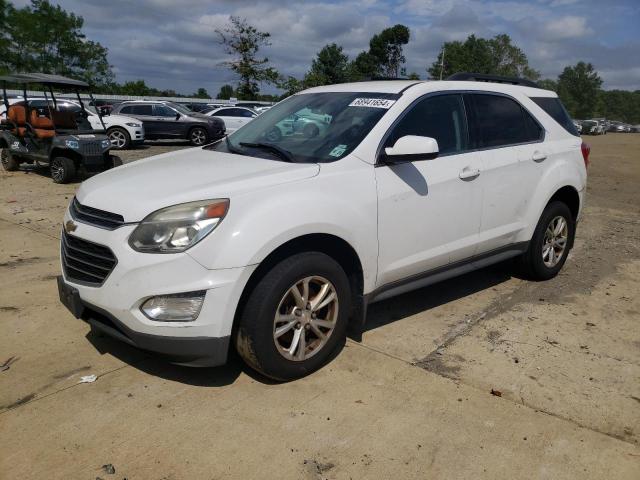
(137, 189)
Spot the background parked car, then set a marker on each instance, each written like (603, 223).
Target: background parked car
(170, 120)
(617, 127)
(635, 128)
(578, 125)
(123, 132)
(591, 127)
(196, 106)
(233, 117)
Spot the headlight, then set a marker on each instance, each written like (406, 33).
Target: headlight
(72, 144)
(105, 143)
(136, 125)
(175, 229)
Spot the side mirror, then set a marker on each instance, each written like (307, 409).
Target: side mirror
(177, 115)
(411, 148)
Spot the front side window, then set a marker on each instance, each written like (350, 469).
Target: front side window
(441, 117)
(499, 121)
(163, 111)
(310, 127)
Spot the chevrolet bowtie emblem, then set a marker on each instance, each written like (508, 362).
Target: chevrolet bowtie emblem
(70, 226)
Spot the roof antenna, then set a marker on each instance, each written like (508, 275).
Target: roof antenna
(442, 62)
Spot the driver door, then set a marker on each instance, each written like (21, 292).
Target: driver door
(429, 211)
(167, 121)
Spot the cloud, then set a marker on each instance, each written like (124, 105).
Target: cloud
(567, 27)
(173, 44)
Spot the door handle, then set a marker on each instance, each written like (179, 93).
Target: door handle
(468, 173)
(538, 156)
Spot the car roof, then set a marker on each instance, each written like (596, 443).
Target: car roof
(44, 79)
(400, 86)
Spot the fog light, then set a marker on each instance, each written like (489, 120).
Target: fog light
(178, 307)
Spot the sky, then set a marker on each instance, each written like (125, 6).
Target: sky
(173, 45)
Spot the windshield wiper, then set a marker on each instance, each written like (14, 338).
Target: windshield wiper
(281, 152)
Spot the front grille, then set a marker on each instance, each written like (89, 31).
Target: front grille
(93, 216)
(92, 148)
(86, 262)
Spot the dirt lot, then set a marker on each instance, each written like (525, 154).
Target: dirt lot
(413, 400)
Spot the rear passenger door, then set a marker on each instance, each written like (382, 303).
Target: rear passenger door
(144, 113)
(510, 141)
(429, 211)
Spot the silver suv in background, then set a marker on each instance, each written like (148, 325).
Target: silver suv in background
(163, 120)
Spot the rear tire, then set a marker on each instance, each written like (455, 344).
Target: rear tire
(63, 170)
(119, 137)
(286, 336)
(9, 163)
(198, 136)
(550, 244)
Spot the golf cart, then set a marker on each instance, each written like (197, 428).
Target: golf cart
(42, 135)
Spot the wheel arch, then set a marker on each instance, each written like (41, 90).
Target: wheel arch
(65, 152)
(569, 196)
(333, 246)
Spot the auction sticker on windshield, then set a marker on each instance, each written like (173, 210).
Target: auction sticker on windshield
(372, 102)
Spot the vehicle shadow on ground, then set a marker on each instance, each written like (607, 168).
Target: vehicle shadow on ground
(432, 296)
(159, 367)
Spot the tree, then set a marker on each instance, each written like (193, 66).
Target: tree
(45, 38)
(579, 87)
(243, 41)
(225, 93)
(497, 56)
(290, 85)
(364, 67)
(201, 93)
(386, 48)
(413, 76)
(329, 67)
(548, 84)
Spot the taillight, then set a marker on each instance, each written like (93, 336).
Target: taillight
(586, 150)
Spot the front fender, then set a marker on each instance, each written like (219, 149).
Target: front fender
(340, 201)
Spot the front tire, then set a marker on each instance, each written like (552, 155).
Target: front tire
(63, 170)
(119, 137)
(551, 242)
(198, 136)
(295, 317)
(9, 163)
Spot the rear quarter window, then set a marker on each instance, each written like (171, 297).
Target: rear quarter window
(554, 108)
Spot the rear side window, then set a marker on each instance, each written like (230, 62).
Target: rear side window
(553, 106)
(142, 110)
(499, 121)
(440, 117)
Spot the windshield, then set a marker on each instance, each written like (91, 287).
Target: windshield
(180, 108)
(311, 127)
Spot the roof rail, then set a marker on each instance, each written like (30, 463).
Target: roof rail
(482, 77)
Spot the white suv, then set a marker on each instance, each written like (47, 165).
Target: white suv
(276, 244)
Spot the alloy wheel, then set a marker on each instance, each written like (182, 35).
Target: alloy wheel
(57, 171)
(305, 318)
(118, 139)
(555, 241)
(198, 136)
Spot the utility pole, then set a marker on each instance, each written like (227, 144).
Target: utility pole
(442, 63)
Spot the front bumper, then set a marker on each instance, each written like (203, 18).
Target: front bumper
(195, 351)
(114, 306)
